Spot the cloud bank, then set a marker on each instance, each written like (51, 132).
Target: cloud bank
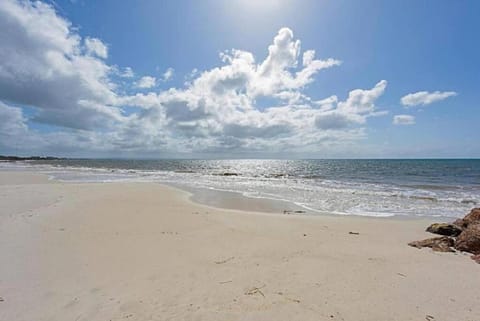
(64, 80)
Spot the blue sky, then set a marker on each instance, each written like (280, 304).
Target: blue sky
(427, 49)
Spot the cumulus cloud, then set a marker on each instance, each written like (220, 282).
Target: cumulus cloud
(146, 82)
(96, 47)
(425, 97)
(218, 107)
(359, 105)
(403, 120)
(42, 65)
(46, 65)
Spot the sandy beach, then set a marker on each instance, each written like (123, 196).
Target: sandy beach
(143, 251)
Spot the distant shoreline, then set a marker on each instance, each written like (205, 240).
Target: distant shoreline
(20, 158)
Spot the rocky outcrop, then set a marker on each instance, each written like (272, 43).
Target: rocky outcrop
(471, 218)
(444, 229)
(439, 244)
(469, 239)
(462, 235)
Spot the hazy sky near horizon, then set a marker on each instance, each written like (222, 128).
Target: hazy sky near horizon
(240, 78)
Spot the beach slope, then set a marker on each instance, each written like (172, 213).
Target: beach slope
(143, 251)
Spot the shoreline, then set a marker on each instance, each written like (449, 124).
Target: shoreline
(270, 207)
(144, 251)
(275, 207)
(320, 189)
(237, 200)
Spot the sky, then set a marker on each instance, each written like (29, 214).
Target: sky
(240, 79)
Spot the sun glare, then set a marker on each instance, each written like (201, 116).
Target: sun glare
(259, 6)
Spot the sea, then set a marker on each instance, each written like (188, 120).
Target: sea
(367, 187)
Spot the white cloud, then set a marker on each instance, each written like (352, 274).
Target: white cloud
(308, 57)
(272, 76)
(218, 106)
(168, 74)
(425, 97)
(96, 47)
(403, 120)
(42, 65)
(362, 101)
(359, 105)
(127, 73)
(146, 82)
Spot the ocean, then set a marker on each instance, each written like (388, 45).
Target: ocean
(381, 188)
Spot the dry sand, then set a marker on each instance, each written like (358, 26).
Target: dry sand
(143, 251)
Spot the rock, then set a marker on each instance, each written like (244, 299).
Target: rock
(469, 239)
(229, 174)
(438, 244)
(471, 218)
(226, 174)
(476, 258)
(444, 229)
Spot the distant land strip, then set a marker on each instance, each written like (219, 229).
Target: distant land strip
(19, 158)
